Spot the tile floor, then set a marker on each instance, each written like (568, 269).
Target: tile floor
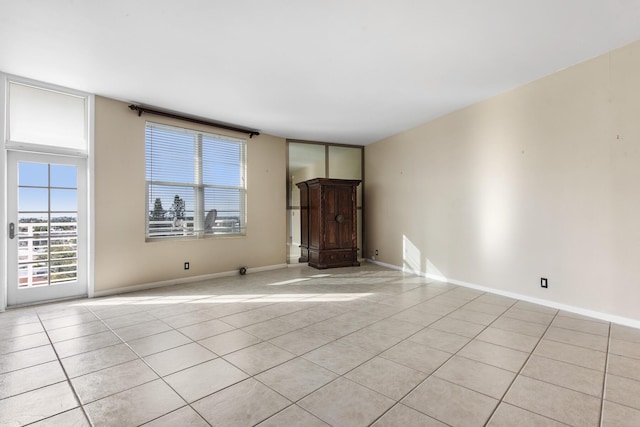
(303, 347)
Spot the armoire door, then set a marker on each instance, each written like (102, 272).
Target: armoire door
(339, 217)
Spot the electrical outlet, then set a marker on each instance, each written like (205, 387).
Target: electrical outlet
(376, 252)
(186, 265)
(543, 282)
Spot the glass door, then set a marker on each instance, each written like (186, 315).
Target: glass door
(346, 163)
(306, 161)
(47, 227)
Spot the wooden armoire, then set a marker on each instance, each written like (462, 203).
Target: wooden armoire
(328, 220)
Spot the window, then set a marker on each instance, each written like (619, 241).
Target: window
(47, 120)
(195, 183)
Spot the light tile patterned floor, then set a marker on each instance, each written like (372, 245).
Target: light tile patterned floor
(303, 347)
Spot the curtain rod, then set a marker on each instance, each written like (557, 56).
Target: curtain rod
(141, 110)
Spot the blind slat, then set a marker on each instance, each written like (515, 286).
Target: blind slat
(189, 174)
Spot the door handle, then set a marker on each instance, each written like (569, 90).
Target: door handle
(12, 230)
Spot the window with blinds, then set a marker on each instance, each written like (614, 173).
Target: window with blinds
(196, 184)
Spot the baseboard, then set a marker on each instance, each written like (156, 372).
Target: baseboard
(547, 303)
(184, 280)
(47, 302)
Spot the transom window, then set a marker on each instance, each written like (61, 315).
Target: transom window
(196, 183)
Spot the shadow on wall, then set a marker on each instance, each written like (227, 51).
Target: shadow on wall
(412, 262)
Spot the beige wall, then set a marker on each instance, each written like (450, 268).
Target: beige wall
(542, 181)
(123, 258)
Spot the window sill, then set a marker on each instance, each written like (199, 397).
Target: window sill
(195, 238)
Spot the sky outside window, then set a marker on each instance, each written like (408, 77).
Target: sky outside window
(172, 162)
(34, 180)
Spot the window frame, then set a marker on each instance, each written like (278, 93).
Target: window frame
(50, 148)
(193, 228)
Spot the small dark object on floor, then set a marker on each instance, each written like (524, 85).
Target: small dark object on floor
(243, 271)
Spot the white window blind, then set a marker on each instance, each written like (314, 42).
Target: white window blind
(195, 183)
(47, 118)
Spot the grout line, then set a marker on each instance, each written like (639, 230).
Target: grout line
(355, 347)
(447, 291)
(58, 359)
(337, 339)
(443, 363)
(402, 340)
(521, 369)
(606, 376)
(289, 406)
(567, 363)
(580, 346)
(159, 377)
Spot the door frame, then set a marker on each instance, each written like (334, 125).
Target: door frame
(90, 179)
(3, 200)
(15, 296)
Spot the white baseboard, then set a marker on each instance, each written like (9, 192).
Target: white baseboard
(559, 306)
(184, 280)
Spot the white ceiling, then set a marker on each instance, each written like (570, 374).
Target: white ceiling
(346, 71)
